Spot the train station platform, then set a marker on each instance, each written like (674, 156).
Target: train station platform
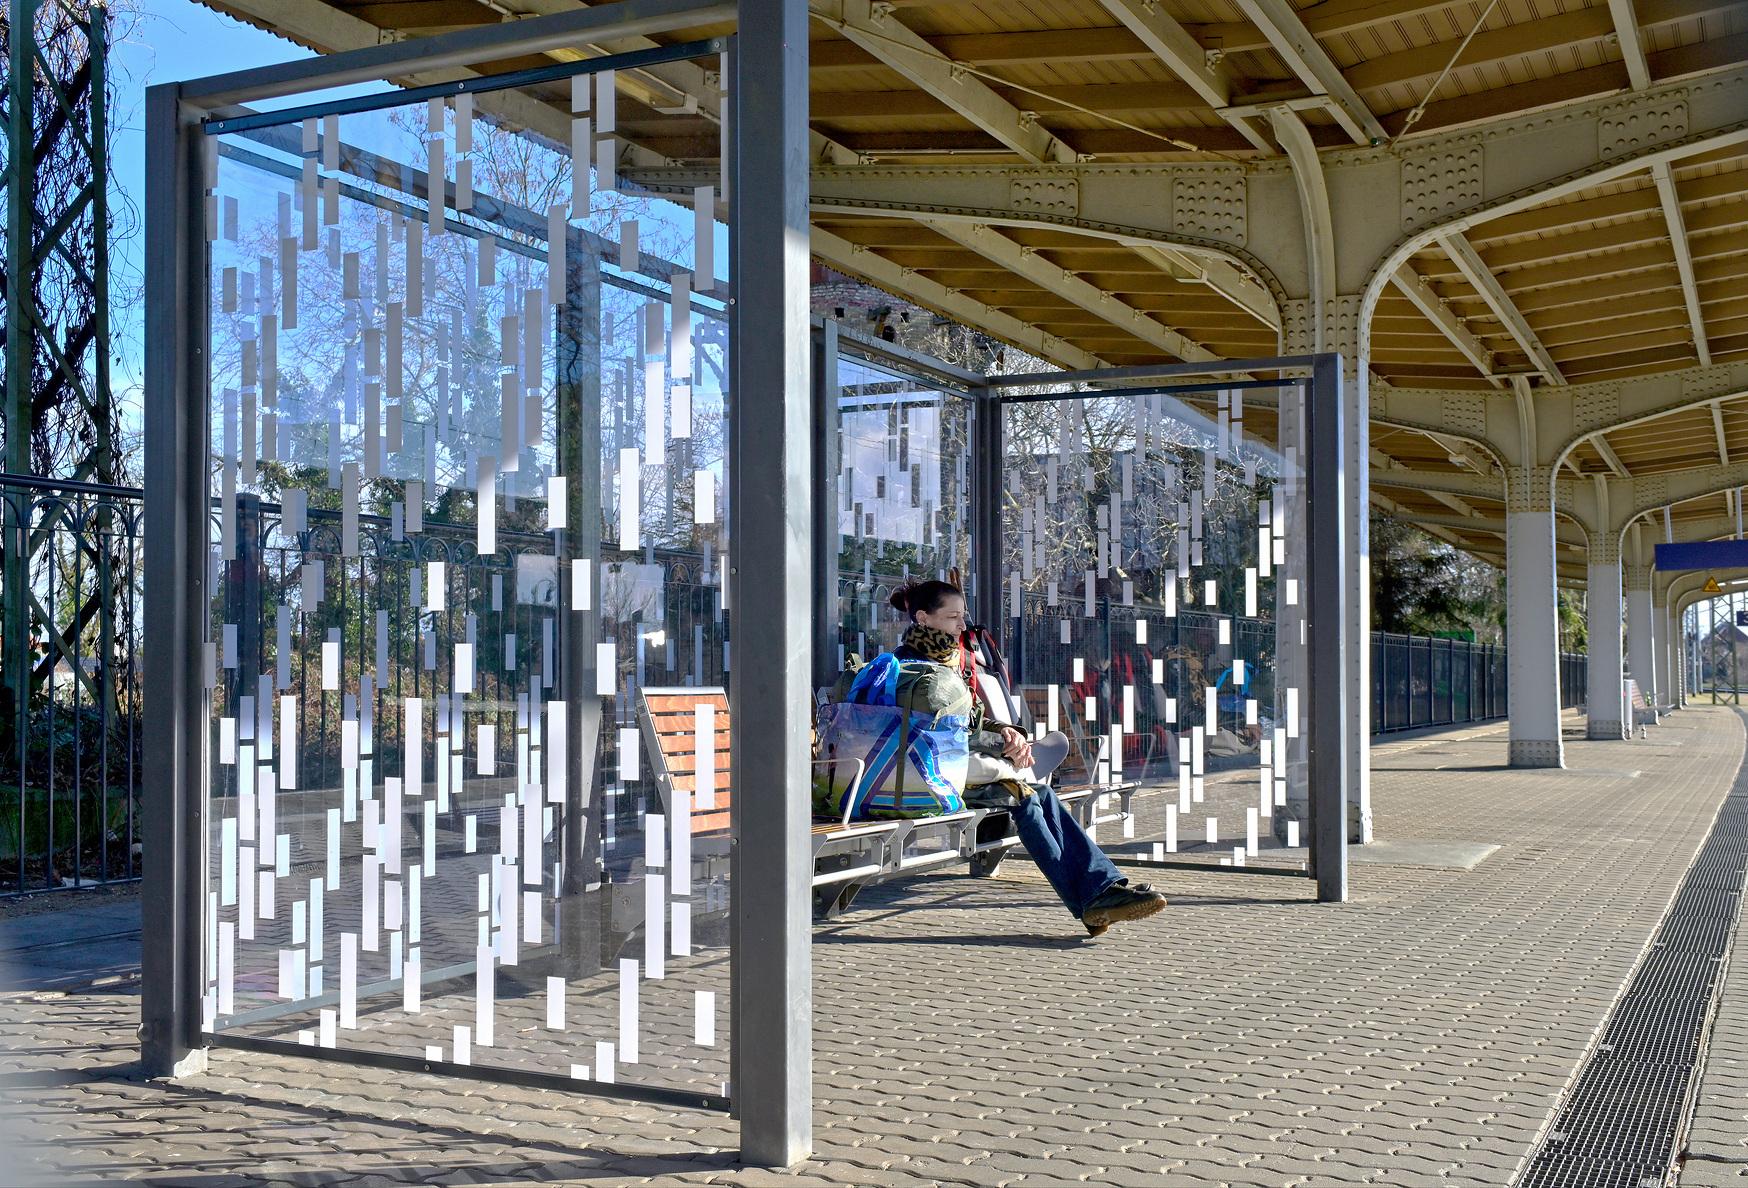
(1429, 1031)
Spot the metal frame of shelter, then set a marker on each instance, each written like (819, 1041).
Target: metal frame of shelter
(1318, 381)
(1316, 377)
(774, 514)
(770, 498)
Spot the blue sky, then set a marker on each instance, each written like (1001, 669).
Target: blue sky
(169, 41)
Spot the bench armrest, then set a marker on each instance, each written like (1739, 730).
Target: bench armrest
(855, 782)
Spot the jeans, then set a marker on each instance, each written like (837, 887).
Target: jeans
(1072, 861)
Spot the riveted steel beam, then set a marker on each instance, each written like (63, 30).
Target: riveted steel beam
(871, 266)
(877, 30)
(1670, 200)
(1476, 272)
(1022, 261)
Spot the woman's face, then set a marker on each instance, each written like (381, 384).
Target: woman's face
(948, 617)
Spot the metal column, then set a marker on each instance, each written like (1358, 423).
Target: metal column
(1326, 636)
(177, 441)
(988, 444)
(578, 399)
(827, 627)
(771, 576)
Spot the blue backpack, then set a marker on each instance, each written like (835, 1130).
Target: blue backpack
(915, 760)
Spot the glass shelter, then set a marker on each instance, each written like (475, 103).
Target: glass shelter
(465, 755)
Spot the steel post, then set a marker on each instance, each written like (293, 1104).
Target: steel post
(771, 576)
(1327, 572)
(988, 445)
(20, 360)
(177, 443)
(827, 621)
(578, 398)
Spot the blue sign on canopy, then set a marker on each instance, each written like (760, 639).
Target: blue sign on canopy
(1703, 554)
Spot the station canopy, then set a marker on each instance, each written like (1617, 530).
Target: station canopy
(1630, 278)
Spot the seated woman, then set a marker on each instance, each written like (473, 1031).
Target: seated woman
(1084, 878)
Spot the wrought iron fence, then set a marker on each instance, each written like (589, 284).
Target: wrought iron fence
(70, 693)
(1420, 681)
(70, 773)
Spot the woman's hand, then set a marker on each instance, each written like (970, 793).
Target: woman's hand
(1019, 749)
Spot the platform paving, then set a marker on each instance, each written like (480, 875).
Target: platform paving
(967, 1034)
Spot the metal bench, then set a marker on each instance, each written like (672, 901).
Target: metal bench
(1089, 764)
(847, 855)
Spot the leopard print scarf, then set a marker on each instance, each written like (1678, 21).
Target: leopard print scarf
(932, 642)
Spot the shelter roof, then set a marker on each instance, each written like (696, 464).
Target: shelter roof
(1634, 277)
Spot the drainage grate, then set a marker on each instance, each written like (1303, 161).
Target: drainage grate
(1619, 1123)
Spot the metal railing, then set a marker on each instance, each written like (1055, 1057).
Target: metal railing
(70, 746)
(70, 766)
(1421, 681)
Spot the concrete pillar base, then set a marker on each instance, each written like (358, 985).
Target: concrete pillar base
(1536, 752)
(192, 1064)
(1604, 729)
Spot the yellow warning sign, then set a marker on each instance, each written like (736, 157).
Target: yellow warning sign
(1711, 586)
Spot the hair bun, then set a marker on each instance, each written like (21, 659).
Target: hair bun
(923, 595)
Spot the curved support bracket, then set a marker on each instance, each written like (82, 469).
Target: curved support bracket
(1314, 212)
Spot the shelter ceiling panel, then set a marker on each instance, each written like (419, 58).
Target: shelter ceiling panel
(1628, 198)
(1188, 300)
(1021, 41)
(1327, 20)
(1167, 289)
(1430, 342)
(1394, 64)
(1730, 350)
(1727, 159)
(1648, 227)
(1706, 507)
(968, 16)
(1678, 441)
(1436, 375)
(1157, 143)
(1212, 321)
(1648, 294)
(1416, 450)
(1387, 360)
(1666, 316)
(1626, 364)
(1603, 79)
(876, 109)
(1710, 21)
(1584, 270)
(1734, 414)
(1727, 328)
(1578, 300)
(1409, 497)
(1577, 358)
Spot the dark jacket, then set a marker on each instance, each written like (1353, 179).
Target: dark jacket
(984, 741)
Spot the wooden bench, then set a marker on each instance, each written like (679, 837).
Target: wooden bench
(1643, 712)
(847, 855)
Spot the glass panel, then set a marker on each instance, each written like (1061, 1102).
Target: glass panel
(1154, 556)
(469, 462)
(903, 494)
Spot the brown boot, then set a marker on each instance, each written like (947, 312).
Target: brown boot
(1119, 902)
